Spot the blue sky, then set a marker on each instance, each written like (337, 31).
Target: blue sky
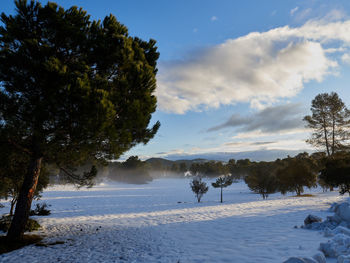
(235, 76)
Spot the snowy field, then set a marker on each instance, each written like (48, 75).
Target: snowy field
(162, 222)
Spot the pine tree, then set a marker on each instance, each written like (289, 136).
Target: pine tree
(262, 179)
(73, 92)
(330, 121)
(297, 173)
(198, 187)
(336, 172)
(222, 182)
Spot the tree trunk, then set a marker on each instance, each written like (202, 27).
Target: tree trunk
(25, 198)
(333, 134)
(326, 136)
(13, 202)
(221, 195)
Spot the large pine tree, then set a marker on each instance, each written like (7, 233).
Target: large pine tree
(72, 91)
(330, 122)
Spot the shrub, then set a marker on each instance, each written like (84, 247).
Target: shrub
(5, 222)
(40, 210)
(199, 187)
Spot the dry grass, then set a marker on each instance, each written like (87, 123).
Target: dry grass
(7, 245)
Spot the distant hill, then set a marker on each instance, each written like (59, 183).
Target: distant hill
(168, 163)
(262, 155)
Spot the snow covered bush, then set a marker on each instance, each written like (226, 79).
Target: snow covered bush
(198, 187)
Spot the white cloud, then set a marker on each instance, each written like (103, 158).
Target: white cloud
(213, 18)
(258, 68)
(294, 10)
(346, 58)
(259, 134)
(241, 146)
(302, 15)
(335, 15)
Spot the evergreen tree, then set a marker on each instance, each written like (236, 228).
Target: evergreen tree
(297, 173)
(199, 187)
(330, 121)
(72, 92)
(336, 172)
(222, 182)
(262, 179)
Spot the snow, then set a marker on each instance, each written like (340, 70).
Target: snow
(162, 222)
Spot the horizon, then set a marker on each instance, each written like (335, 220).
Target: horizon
(235, 77)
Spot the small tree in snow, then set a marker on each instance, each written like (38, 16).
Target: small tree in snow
(199, 187)
(221, 182)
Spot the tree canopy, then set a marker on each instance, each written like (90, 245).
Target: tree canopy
(262, 179)
(336, 172)
(222, 182)
(330, 122)
(72, 91)
(296, 173)
(199, 188)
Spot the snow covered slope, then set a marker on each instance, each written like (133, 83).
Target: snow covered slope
(161, 222)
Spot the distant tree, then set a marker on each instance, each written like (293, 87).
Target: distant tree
(336, 172)
(241, 168)
(133, 162)
(262, 180)
(231, 168)
(183, 167)
(175, 167)
(211, 168)
(330, 122)
(72, 92)
(133, 170)
(319, 158)
(296, 174)
(198, 187)
(222, 182)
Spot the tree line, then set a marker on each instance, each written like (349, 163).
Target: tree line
(328, 167)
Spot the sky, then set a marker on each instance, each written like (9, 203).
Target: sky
(235, 76)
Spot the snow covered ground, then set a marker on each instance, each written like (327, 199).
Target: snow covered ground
(161, 222)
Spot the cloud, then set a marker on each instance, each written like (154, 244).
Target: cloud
(213, 18)
(292, 11)
(346, 58)
(238, 146)
(302, 15)
(260, 134)
(247, 143)
(270, 120)
(258, 68)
